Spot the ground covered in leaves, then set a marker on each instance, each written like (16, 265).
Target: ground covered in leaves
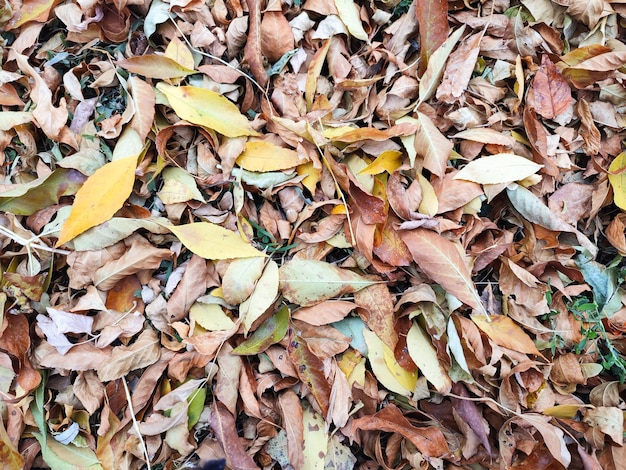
(312, 234)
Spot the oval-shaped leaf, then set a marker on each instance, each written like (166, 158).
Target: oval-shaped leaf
(497, 169)
(207, 108)
(154, 66)
(266, 156)
(398, 380)
(425, 357)
(211, 241)
(307, 282)
(100, 197)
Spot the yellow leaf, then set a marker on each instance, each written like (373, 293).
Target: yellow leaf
(394, 379)
(349, 14)
(564, 411)
(178, 186)
(504, 332)
(425, 357)
(314, 70)
(311, 176)
(266, 156)
(154, 66)
(31, 11)
(211, 241)
(499, 168)
(207, 108)
(211, 317)
(178, 51)
(100, 197)
(389, 161)
(617, 178)
(430, 203)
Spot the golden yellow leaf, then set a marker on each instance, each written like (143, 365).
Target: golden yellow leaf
(266, 156)
(617, 178)
(100, 197)
(311, 176)
(394, 378)
(207, 108)
(388, 161)
(211, 241)
(504, 332)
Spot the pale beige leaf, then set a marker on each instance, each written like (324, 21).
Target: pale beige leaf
(307, 282)
(497, 169)
(262, 297)
(144, 101)
(240, 278)
(89, 390)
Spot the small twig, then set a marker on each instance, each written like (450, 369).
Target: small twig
(135, 423)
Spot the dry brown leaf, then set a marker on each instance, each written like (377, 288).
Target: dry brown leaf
(145, 351)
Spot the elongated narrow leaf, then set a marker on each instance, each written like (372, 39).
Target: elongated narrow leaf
(314, 70)
(425, 357)
(504, 332)
(100, 197)
(617, 178)
(388, 372)
(28, 198)
(154, 66)
(349, 14)
(211, 241)
(207, 108)
(432, 16)
(436, 65)
(499, 168)
(262, 297)
(310, 370)
(308, 282)
(441, 260)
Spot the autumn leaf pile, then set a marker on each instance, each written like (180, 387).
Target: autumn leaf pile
(312, 234)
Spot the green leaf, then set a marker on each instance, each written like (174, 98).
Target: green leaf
(270, 332)
(196, 405)
(28, 198)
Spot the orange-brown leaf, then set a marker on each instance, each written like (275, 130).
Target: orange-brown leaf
(441, 260)
(428, 440)
(551, 94)
(310, 371)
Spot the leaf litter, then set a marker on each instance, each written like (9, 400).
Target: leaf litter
(319, 234)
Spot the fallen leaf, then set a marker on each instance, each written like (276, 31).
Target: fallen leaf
(154, 66)
(142, 353)
(207, 108)
(307, 282)
(100, 197)
(424, 355)
(428, 440)
(497, 169)
(211, 241)
(504, 332)
(441, 260)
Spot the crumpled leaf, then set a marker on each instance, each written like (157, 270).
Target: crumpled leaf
(142, 353)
